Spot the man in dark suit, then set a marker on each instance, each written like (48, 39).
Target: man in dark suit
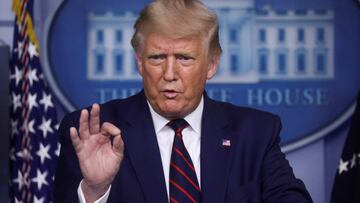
(171, 142)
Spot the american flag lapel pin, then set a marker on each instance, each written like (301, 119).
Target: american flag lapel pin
(226, 143)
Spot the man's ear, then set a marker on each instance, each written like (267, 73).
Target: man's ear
(139, 63)
(213, 66)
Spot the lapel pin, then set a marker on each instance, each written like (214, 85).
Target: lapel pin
(226, 143)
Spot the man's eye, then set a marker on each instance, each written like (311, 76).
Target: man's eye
(156, 58)
(182, 57)
(185, 60)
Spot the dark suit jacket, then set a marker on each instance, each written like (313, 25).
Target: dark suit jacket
(252, 169)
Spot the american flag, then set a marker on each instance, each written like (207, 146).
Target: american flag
(34, 146)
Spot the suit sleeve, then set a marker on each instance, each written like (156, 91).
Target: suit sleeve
(68, 174)
(279, 182)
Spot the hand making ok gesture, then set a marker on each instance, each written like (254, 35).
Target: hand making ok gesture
(99, 158)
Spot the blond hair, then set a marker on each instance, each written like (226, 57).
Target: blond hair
(178, 19)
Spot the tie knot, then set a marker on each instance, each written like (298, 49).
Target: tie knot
(178, 125)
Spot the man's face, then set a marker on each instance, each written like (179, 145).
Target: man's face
(174, 73)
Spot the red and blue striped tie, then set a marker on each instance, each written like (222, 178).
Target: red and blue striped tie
(184, 186)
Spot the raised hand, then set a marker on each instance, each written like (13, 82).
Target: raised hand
(99, 159)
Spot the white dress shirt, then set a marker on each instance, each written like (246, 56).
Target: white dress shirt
(165, 137)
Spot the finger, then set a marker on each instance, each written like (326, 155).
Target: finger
(109, 129)
(95, 119)
(118, 145)
(75, 139)
(84, 124)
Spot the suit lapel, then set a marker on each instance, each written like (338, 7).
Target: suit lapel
(141, 145)
(215, 158)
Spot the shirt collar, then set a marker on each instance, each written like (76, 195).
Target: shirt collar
(194, 118)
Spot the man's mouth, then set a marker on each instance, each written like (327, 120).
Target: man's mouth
(170, 94)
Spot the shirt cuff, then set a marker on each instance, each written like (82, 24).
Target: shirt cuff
(102, 199)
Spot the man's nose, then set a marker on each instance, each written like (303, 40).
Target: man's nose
(170, 69)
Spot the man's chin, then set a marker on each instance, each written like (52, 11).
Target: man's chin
(173, 113)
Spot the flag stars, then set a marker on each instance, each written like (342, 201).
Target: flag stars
(43, 152)
(343, 166)
(32, 76)
(40, 179)
(16, 103)
(17, 75)
(21, 180)
(46, 101)
(33, 117)
(24, 154)
(57, 151)
(353, 161)
(14, 127)
(45, 127)
(12, 154)
(19, 48)
(32, 101)
(17, 201)
(29, 127)
(32, 50)
(36, 200)
(57, 126)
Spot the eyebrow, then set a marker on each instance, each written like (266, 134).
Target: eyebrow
(155, 54)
